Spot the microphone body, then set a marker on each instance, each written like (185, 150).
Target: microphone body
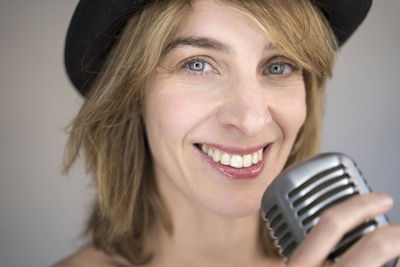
(292, 204)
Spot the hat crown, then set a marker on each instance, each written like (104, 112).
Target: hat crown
(95, 25)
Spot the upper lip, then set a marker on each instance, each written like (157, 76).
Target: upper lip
(235, 149)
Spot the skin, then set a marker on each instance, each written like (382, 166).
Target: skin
(233, 99)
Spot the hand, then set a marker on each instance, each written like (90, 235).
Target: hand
(372, 250)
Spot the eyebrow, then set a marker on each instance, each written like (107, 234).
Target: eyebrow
(209, 43)
(200, 42)
(270, 47)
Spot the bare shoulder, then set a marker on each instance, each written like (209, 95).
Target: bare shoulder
(90, 256)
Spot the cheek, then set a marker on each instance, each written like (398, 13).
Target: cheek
(297, 112)
(160, 120)
(290, 111)
(169, 116)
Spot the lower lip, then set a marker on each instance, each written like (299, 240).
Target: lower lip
(238, 173)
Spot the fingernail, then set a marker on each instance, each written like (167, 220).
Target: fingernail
(384, 198)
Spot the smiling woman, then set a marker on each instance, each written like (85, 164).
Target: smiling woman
(197, 107)
(234, 107)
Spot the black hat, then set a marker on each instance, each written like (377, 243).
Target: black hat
(96, 23)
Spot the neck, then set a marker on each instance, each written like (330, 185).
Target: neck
(211, 242)
(206, 238)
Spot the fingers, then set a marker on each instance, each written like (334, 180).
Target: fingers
(374, 249)
(334, 224)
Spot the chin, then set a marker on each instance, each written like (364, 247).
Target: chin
(235, 208)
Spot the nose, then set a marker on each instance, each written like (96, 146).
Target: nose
(244, 109)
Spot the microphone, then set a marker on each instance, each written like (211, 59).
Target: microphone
(292, 204)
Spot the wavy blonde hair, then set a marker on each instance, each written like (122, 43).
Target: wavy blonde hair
(109, 129)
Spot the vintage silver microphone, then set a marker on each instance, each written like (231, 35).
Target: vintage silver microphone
(293, 202)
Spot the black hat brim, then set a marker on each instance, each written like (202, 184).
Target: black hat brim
(95, 25)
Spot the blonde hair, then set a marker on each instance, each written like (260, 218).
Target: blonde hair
(109, 128)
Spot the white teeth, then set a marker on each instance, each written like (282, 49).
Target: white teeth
(217, 155)
(204, 148)
(236, 161)
(226, 159)
(210, 152)
(255, 158)
(247, 160)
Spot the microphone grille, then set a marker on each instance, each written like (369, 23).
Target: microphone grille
(292, 204)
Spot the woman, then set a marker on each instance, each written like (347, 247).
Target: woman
(192, 109)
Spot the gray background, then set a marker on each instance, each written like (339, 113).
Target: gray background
(42, 212)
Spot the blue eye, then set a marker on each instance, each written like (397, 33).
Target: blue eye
(278, 68)
(196, 65)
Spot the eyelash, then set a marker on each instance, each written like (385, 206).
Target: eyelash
(278, 59)
(185, 66)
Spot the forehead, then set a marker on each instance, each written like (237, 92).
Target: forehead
(221, 21)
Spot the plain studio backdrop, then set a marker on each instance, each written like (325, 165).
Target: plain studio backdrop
(42, 213)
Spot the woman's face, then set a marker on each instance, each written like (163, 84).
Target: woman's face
(222, 112)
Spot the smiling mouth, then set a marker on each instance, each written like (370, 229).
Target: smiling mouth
(238, 161)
